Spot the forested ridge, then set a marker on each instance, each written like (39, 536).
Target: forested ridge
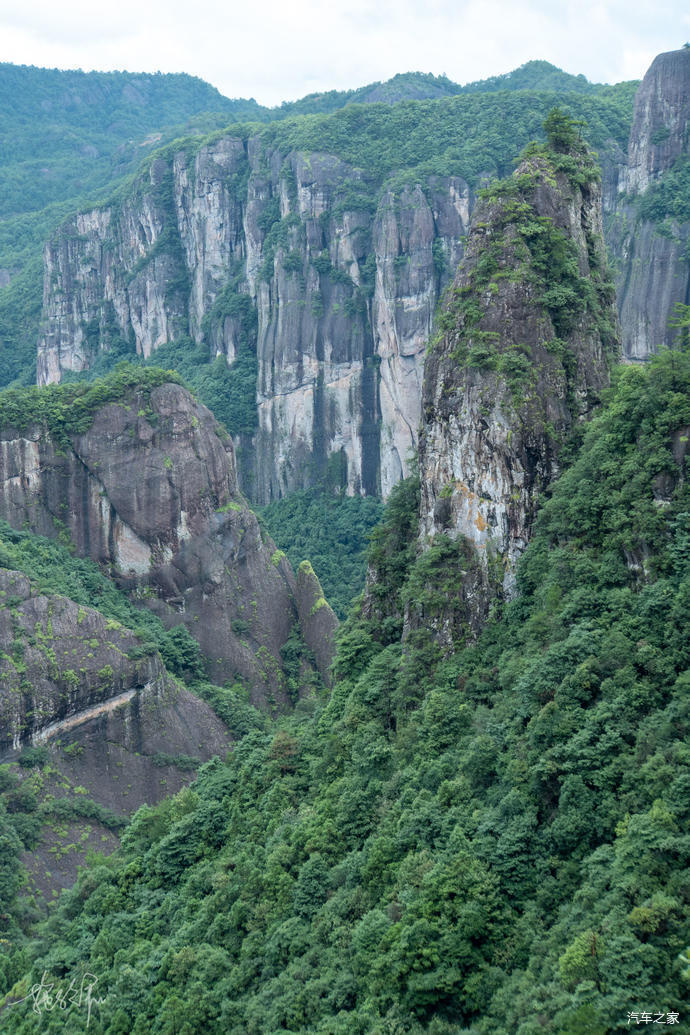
(411, 127)
(68, 137)
(490, 839)
(480, 833)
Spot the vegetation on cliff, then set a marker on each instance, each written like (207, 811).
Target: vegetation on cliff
(524, 246)
(47, 801)
(669, 198)
(503, 850)
(466, 136)
(70, 408)
(68, 138)
(472, 134)
(487, 834)
(70, 132)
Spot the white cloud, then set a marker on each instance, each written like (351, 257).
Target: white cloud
(277, 51)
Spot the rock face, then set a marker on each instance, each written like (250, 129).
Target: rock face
(60, 674)
(528, 333)
(150, 492)
(659, 134)
(66, 671)
(239, 245)
(117, 730)
(653, 270)
(332, 280)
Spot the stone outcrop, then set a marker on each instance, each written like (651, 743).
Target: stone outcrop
(332, 278)
(235, 244)
(653, 270)
(529, 331)
(659, 133)
(318, 622)
(57, 661)
(98, 705)
(150, 492)
(65, 670)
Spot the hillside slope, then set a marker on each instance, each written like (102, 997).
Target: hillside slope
(481, 830)
(493, 841)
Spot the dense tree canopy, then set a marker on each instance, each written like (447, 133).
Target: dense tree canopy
(491, 839)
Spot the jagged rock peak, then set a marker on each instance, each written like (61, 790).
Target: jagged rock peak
(318, 621)
(528, 333)
(659, 133)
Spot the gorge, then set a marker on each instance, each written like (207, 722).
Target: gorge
(465, 807)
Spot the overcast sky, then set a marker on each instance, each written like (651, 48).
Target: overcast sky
(279, 50)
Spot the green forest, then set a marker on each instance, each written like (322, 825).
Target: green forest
(332, 531)
(493, 838)
(464, 834)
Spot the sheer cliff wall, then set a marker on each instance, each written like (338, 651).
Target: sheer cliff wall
(648, 211)
(340, 298)
(334, 281)
(147, 487)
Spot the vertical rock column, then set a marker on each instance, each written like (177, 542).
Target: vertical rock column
(528, 333)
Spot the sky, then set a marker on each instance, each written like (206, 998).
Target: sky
(283, 49)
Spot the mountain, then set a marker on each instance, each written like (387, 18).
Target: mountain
(89, 696)
(415, 86)
(483, 825)
(528, 337)
(132, 569)
(535, 75)
(70, 137)
(311, 256)
(140, 478)
(466, 808)
(65, 133)
(66, 137)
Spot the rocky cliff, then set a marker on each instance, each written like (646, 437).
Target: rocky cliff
(649, 216)
(146, 486)
(527, 336)
(64, 667)
(659, 133)
(318, 622)
(237, 245)
(83, 698)
(327, 274)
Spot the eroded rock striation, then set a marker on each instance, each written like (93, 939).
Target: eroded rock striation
(332, 279)
(64, 668)
(528, 335)
(58, 662)
(648, 227)
(149, 491)
(659, 133)
(99, 706)
(240, 246)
